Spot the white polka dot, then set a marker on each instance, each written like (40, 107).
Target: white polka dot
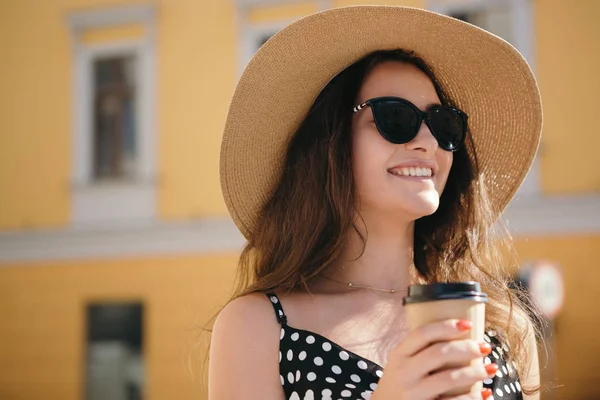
(488, 381)
(326, 392)
(373, 386)
(279, 356)
(280, 312)
(302, 355)
(487, 361)
(290, 355)
(366, 394)
(499, 392)
(379, 373)
(512, 386)
(509, 367)
(309, 395)
(274, 299)
(486, 338)
(506, 389)
(351, 386)
(326, 346)
(290, 377)
(282, 334)
(295, 336)
(496, 356)
(346, 393)
(344, 355)
(282, 380)
(504, 370)
(318, 361)
(294, 396)
(310, 339)
(518, 385)
(505, 347)
(336, 369)
(311, 376)
(297, 376)
(491, 333)
(499, 374)
(330, 380)
(362, 364)
(355, 378)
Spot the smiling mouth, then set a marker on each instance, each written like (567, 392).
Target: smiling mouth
(412, 172)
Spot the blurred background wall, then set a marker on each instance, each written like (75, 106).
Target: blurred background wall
(114, 239)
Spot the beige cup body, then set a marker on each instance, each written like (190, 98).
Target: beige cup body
(418, 314)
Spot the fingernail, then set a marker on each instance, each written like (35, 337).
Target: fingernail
(491, 369)
(464, 325)
(485, 393)
(485, 348)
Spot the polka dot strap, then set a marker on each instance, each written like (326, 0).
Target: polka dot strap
(281, 318)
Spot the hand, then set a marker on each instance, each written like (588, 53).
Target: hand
(416, 368)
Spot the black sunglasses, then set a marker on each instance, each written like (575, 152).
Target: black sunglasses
(398, 121)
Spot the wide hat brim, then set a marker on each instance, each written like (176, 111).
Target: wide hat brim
(483, 74)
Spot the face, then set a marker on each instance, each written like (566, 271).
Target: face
(379, 166)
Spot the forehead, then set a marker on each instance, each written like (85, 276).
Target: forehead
(393, 78)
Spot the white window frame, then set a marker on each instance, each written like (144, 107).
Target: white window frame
(97, 201)
(251, 33)
(523, 39)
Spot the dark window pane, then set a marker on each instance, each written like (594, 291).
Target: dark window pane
(114, 117)
(114, 352)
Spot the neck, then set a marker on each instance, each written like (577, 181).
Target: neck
(387, 260)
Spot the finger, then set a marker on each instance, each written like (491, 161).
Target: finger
(427, 334)
(442, 354)
(483, 395)
(469, 396)
(455, 378)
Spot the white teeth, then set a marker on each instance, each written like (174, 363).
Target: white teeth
(413, 171)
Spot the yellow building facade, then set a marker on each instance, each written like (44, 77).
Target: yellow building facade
(82, 223)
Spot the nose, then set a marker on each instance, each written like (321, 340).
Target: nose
(424, 141)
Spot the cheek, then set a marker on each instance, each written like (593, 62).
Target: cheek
(369, 155)
(444, 161)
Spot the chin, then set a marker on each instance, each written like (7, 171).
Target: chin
(421, 207)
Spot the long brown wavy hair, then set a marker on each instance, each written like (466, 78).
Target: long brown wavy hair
(301, 229)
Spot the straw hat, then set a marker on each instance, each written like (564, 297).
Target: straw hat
(484, 75)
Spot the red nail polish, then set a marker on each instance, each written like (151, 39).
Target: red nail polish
(491, 369)
(485, 349)
(485, 393)
(464, 325)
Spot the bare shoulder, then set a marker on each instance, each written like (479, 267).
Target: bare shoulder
(253, 309)
(245, 350)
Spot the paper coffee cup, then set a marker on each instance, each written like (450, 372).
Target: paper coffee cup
(442, 301)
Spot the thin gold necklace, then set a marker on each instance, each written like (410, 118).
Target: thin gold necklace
(352, 285)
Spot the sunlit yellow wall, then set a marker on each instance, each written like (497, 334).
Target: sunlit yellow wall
(567, 61)
(196, 78)
(42, 336)
(577, 344)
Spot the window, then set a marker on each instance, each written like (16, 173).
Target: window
(113, 110)
(512, 20)
(115, 362)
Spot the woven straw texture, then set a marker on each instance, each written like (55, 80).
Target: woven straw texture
(483, 74)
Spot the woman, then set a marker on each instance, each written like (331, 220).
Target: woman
(368, 148)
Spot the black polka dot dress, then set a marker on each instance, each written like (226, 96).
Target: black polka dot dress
(313, 367)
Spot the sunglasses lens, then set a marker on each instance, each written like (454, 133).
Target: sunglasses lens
(449, 127)
(397, 122)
